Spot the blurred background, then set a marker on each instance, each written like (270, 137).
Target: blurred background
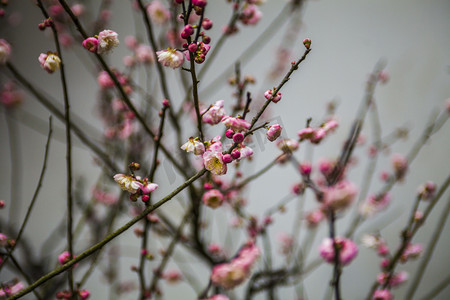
(348, 39)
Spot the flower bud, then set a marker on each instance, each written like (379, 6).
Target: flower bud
(307, 43)
(274, 132)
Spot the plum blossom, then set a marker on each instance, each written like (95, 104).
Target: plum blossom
(395, 280)
(158, 13)
(12, 289)
(400, 165)
(91, 44)
(213, 162)
(170, 58)
(382, 295)
(144, 54)
(274, 132)
(275, 99)
(50, 62)
(340, 196)
(107, 41)
(232, 274)
(288, 145)
(194, 146)
(250, 15)
(236, 124)
(127, 183)
(213, 198)
(347, 250)
(5, 51)
(214, 114)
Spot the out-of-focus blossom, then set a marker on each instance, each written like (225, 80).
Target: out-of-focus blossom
(232, 274)
(84, 294)
(213, 198)
(10, 97)
(12, 289)
(339, 196)
(382, 295)
(250, 15)
(5, 51)
(347, 250)
(395, 280)
(374, 204)
(172, 276)
(158, 13)
(400, 165)
(144, 54)
(287, 145)
(411, 251)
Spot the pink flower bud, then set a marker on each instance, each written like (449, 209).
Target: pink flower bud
(229, 133)
(207, 186)
(274, 132)
(2, 204)
(91, 44)
(305, 168)
(199, 3)
(238, 137)
(227, 158)
(236, 154)
(166, 103)
(207, 24)
(307, 43)
(275, 99)
(192, 47)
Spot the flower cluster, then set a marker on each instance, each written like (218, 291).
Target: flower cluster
(105, 42)
(347, 250)
(135, 186)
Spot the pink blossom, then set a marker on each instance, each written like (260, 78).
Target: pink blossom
(307, 43)
(104, 197)
(400, 165)
(374, 204)
(131, 42)
(382, 295)
(84, 294)
(213, 198)
(238, 137)
(306, 133)
(274, 132)
(340, 196)
(215, 249)
(395, 280)
(286, 242)
(214, 114)
(3, 240)
(91, 44)
(288, 145)
(330, 126)
(268, 94)
(147, 187)
(127, 183)
(213, 162)
(5, 51)
(383, 76)
(347, 250)
(107, 41)
(232, 274)
(158, 13)
(236, 124)
(314, 218)
(77, 9)
(411, 251)
(11, 290)
(244, 151)
(426, 191)
(50, 62)
(144, 54)
(250, 15)
(194, 146)
(218, 297)
(104, 80)
(170, 58)
(11, 97)
(172, 276)
(64, 257)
